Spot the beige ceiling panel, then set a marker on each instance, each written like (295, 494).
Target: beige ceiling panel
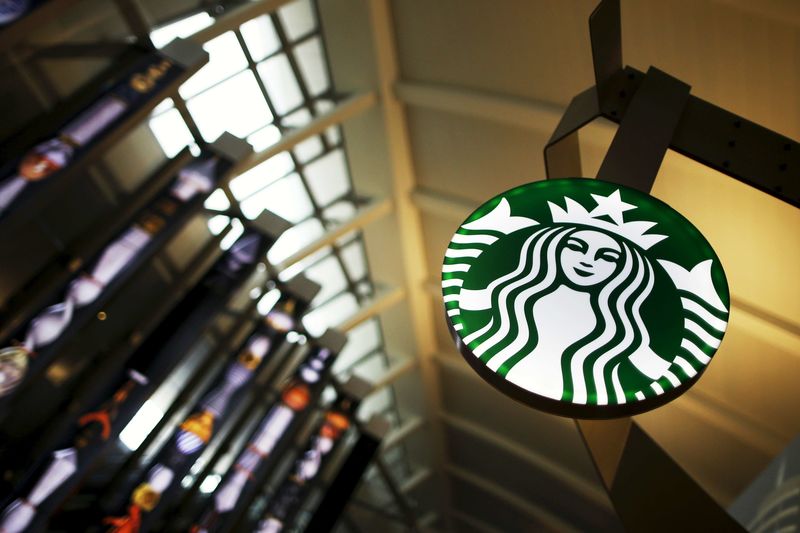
(472, 497)
(443, 337)
(755, 375)
(470, 158)
(437, 232)
(525, 479)
(746, 63)
(756, 236)
(535, 49)
(708, 449)
(552, 437)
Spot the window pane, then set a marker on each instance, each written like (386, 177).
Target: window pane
(311, 61)
(340, 211)
(261, 175)
(183, 28)
(309, 149)
(217, 200)
(260, 37)
(361, 340)
(264, 137)
(286, 198)
(294, 239)
(225, 59)
(331, 314)
(235, 105)
(281, 84)
(217, 224)
(354, 260)
(171, 132)
(298, 119)
(163, 106)
(330, 277)
(297, 18)
(327, 177)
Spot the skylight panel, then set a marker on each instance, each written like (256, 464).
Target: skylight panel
(260, 37)
(295, 239)
(217, 224)
(311, 62)
(327, 177)
(298, 118)
(286, 198)
(282, 86)
(262, 175)
(330, 314)
(265, 137)
(308, 149)
(225, 59)
(340, 211)
(235, 105)
(217, 200)
(297, 18)
(171, 132)
(361, 340)
(182, 28)
(355, 260)
(163, 106)
(329, 275)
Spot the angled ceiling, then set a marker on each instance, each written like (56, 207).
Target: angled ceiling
(469, 97)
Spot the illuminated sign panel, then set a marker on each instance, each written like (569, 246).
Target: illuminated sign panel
(584, 298)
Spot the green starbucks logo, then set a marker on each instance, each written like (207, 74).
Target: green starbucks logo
(584, 298)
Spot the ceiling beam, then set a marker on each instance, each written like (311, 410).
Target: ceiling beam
(410, 238)
(236, 17)
(580, 485)
(735, 424)
(373, 211)
(537, 115)
(399, 434)
(394, 372)
(473, 522)
(531, 114)
(384, 299)
(344, 110)
(539, 514)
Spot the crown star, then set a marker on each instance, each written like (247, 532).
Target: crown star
(611, 205)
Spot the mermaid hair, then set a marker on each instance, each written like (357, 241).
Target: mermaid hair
(590, 366)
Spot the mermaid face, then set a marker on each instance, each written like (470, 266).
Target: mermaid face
(589, 257)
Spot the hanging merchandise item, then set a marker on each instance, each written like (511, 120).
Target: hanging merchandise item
(46, 159)
(584, 298)
(300, 392)
(161, 483)
(320, 447)
(13, 10)
(35, 343)
(45, 486)
(339, 490)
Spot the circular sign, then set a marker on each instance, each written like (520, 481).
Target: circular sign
(584, 298)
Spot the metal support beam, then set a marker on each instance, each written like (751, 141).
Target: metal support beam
(650, 491)
(643, 137)
(365, 216)
(541, 517)
(591, 492)
(236, 17)
(352, 106)
(385, 299)
(394, 372)
(398, 435)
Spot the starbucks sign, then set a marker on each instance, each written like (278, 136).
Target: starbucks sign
(584, 298)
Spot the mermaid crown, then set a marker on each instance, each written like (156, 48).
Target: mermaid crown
(612, 206)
